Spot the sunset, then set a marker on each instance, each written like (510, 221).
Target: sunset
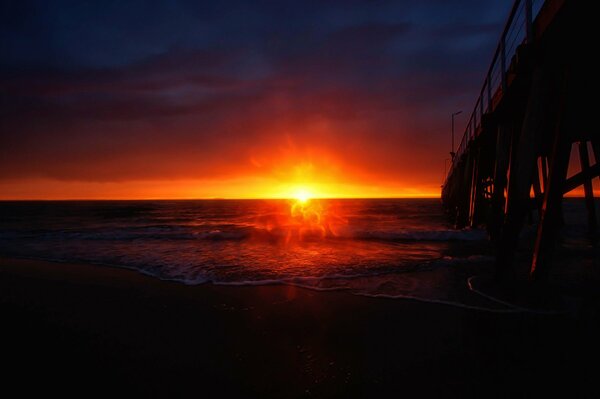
(193, 106)
(289, 199)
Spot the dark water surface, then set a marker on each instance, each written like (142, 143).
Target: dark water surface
(379, 247)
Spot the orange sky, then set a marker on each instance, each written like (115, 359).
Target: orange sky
(277, 168)
(339, 100)
(318, 180)
(256, 178)
(313, 157)
(191, 189)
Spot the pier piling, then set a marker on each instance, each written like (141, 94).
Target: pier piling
(515, 153)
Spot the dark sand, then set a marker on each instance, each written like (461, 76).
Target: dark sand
(89, 330)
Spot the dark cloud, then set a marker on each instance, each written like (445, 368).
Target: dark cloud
(102, 91)
(374, 34)
(469, 30)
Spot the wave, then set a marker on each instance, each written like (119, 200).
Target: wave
(424, 235)
(361, 284)
(242, 232)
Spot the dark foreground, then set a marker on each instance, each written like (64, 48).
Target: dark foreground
(85, 330)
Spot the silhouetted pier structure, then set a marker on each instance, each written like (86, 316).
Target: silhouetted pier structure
(536, 101)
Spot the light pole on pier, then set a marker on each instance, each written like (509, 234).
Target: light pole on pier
(445, 170)
(452, 153)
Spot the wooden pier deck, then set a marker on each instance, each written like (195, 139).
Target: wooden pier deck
(533, 107)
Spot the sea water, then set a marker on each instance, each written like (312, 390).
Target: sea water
(397, 248)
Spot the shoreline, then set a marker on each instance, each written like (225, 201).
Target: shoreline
(70, 326)
(478, 302)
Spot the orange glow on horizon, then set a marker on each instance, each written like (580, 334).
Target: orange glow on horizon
(243, 187)
(286, 173)
(235, 188)
(303, 195)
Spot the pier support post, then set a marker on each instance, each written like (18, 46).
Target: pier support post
(596, 149)
(475, 189)
(500, 170)
(584, 158)
(523, 159)
(537, 188)
(544, 172)
(465, 191)
(550, 220)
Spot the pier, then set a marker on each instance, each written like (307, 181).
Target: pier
(534, 106)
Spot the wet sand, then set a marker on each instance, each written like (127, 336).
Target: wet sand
(90, 330)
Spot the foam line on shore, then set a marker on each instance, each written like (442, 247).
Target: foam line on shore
(442, 302)
(509, 304)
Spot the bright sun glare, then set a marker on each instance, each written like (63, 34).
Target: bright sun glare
(302, 195)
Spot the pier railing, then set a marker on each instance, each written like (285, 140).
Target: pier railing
(514, 157)
(518, 30)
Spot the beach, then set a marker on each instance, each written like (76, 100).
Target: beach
(79, 329)
(294, 199)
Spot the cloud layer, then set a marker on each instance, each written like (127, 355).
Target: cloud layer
(362, 90)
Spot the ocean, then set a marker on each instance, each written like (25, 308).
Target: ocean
(395, 248)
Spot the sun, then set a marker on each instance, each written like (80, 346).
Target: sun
(302, 195)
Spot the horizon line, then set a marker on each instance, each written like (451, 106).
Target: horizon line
(230, 198)
(212, 198)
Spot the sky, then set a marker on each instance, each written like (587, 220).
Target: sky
(236, 99)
